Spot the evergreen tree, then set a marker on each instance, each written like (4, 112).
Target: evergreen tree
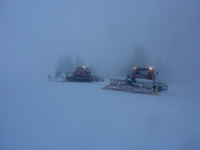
(69, 64)
(79, 62)
(60, 67)
(139, 57)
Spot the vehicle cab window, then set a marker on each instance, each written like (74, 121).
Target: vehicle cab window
(87, 70)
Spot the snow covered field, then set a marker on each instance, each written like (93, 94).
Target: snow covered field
(36, 114)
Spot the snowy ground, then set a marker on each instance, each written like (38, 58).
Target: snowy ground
(36, 114)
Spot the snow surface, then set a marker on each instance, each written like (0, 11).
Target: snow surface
(37, 114)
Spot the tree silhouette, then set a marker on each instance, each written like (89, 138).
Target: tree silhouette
(139, 57)
(69, 64)
(78, 62)
(66, 65)
(60, 67)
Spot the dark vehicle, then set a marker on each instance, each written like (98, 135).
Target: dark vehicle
(83, 74)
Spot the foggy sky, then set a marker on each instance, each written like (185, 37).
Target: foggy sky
(34, 34)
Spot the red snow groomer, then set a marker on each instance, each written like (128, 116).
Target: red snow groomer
(141, 80)
(83, 74)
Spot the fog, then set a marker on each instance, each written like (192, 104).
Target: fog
(35, 34)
